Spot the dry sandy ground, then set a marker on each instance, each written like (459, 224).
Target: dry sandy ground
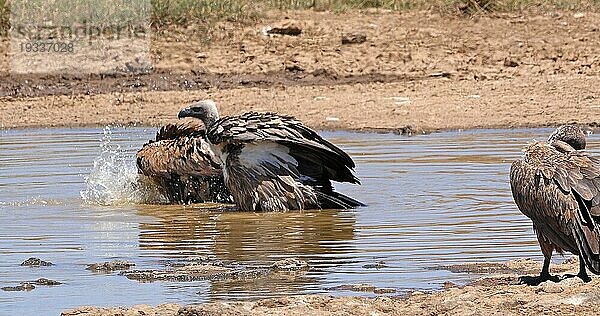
(496, 294)
(416, 71)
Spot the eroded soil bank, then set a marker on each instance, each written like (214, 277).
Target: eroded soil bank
(416, 71)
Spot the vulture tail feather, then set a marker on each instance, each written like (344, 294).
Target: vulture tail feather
(335, 200)
(587, 236)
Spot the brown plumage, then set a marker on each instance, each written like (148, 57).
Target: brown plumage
(557, 185)
(274, 162)
(182, 164)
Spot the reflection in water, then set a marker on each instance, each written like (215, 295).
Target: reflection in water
(250, 238)
(433, 200)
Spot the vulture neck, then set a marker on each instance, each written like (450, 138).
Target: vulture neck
(210, 120)
(210, 117)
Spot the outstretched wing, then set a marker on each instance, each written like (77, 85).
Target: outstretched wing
(182, 163)
(317, 158)
(179, 150)
(560, 193)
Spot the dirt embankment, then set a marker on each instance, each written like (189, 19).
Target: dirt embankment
(497, 294)
(415, 71)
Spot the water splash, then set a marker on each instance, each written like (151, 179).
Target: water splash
(114, 179)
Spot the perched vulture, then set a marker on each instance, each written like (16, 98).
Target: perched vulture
(182, 164)
(273, 162)
(557, 185)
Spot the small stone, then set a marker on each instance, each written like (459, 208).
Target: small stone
(384, 290)
(44, 281)
(449, 285)
(551, 287)
(353, 38)
(289, 28)
(294, 68)
(510, 62)
(569, 282)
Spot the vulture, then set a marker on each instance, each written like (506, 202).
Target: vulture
(273, 162)
(183, 166)
(557, 185)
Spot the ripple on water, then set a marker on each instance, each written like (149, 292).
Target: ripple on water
(73, 197)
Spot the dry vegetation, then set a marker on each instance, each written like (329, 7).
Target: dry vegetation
(183, 12)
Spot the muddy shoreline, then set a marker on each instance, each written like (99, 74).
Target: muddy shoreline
(498, 292)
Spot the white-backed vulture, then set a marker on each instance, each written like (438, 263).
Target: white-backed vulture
(273, 162)
(557, 185)
(182, 164)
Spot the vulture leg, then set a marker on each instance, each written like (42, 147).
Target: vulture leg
(582, 272)
(547, 248)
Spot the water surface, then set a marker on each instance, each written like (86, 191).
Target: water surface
(433, 200)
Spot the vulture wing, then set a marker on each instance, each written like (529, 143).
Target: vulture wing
(175, 131)
(183, 164)
(559, 191)
(315, 158)
(178, 149)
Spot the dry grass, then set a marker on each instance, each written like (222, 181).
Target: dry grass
(167, 13)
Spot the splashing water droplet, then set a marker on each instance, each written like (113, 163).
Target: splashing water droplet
(114, 178)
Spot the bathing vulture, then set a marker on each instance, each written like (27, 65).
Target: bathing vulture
(182, 164)
(273, 162)
(557, 185)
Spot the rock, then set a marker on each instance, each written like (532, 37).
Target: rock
(551, 287)
(30, 285)
(508, 62)
(289, 28)
(36, 262)
(110, 266)
(188, 273)
(294, 68)
(572, 282)
(448, 285)
(44, 281)
(353, 38)
(22, 287)
(355, 287)
(290, 264)
(161, 310)
(377, 265)
(443, 74)
(384, 290)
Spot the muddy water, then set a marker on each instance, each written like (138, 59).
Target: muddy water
(67, 196)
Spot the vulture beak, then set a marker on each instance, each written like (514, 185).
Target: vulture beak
(187, 112)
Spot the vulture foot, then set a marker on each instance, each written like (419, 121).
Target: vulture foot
(537, 280)
(583, 276)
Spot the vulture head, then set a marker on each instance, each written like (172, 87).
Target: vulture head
(570, 134)
(205, 110)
